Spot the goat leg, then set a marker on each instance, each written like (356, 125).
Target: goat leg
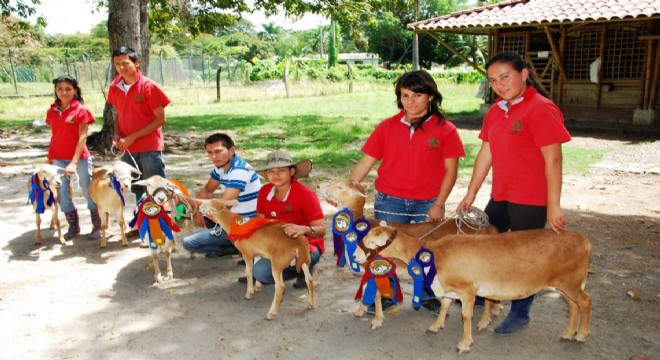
(377, 322)
(37, 241)
(158, 278)
(280, 286)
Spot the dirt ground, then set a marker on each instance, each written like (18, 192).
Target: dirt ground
(82, 302)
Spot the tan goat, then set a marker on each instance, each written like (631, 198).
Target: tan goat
(107, 188)
(42, 194)
(505, 266)
(161, 191)
(270, 242)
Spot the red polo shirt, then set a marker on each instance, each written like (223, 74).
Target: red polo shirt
(412, 166)
(65, 129)
(135, 110)
(515, 137)
(300, 207)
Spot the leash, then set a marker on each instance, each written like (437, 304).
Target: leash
(120, 155)
(474, 219)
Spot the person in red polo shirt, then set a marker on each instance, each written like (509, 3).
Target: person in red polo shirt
(521, 138)
(140, 106)
(69, 119)
(418, 149)
(295, 205)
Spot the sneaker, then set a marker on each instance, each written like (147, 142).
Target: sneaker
(387, 305)
(229, 250)
(300, 283)
(432, 305)
(243, 279)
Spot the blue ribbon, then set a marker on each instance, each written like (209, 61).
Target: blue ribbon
(347, 233)
(115, 185)
(416, 271)
(36, 194)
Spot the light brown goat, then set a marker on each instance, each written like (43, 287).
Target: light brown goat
(43, 195)
(109, 198)
(505, 266)
(270, 242)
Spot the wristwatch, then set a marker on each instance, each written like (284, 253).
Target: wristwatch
(311, 230)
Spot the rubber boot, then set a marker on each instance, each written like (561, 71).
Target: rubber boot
(95, 234)
(74, 227)
(517, 318)
(300, 279)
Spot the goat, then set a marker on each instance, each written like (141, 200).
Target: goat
(161, 191)
(42, 194)
(268, 241)
(107, 188)
(505, 266)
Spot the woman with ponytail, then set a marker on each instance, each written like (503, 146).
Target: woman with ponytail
(521, 138)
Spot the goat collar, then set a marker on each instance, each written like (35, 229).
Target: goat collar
(379, 276)
(347, 233)
(371, 253)
(242, 227)
(116, 186)
(422, 269)
(36, 194)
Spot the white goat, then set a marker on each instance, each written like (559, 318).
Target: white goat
(42, 194)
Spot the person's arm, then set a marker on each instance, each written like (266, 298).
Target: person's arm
(362, 168)
(482, 166)
(437, 210)
(553, 176)
(82, 140)
(205, 193)
(295, 230)
(125, 142)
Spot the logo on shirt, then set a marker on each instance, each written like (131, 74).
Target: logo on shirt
(517, 128)
(433, 143)
(287, 208)
(139, 98)
(70, 120)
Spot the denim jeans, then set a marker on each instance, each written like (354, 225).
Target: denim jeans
(262, 270)
(149, 163)
(207, 241)
(396, 209)
(84, 171)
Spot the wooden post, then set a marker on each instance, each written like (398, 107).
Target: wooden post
(656, 76)
(286, 79)
(646, 86)
(218, 96)
(601, 55)
(350, 78)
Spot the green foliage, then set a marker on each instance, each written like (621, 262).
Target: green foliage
(265, 70)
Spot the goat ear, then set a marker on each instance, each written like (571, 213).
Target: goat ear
(140, 183)
(135, 171)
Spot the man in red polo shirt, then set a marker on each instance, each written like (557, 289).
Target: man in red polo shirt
(140, 106)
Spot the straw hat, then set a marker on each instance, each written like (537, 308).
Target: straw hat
(280, 159)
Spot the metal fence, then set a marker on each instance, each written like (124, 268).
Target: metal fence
(24, 75)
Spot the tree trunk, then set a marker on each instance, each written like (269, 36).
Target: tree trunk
(127, 26)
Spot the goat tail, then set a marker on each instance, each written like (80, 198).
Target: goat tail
(303, 256)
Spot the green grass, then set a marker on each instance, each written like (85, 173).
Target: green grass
(321, 121)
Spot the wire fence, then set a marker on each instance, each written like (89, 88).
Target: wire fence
(26, 75)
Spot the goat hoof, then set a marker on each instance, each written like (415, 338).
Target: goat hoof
(270, 317)
(432, 331)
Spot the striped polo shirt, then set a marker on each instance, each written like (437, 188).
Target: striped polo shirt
(240, 175)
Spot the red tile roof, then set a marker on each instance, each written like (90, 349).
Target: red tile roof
(535, 12)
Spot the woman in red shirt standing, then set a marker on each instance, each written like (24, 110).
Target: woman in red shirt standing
(295, 205)
(69, 119)
(521, 138)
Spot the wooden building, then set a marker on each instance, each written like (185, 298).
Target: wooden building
(600, 59)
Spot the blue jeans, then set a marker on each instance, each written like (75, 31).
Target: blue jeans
(149, 163)
(207, 241)
(405, 211)
(84, 171)
(262, 270)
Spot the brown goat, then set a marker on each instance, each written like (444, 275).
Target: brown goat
(109, 198)
(269, 241)
(505, 266)
(43, 195)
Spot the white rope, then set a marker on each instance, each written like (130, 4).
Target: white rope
(475, 219)
(120, 155)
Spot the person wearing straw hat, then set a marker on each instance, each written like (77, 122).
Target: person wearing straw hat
(295, 205)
